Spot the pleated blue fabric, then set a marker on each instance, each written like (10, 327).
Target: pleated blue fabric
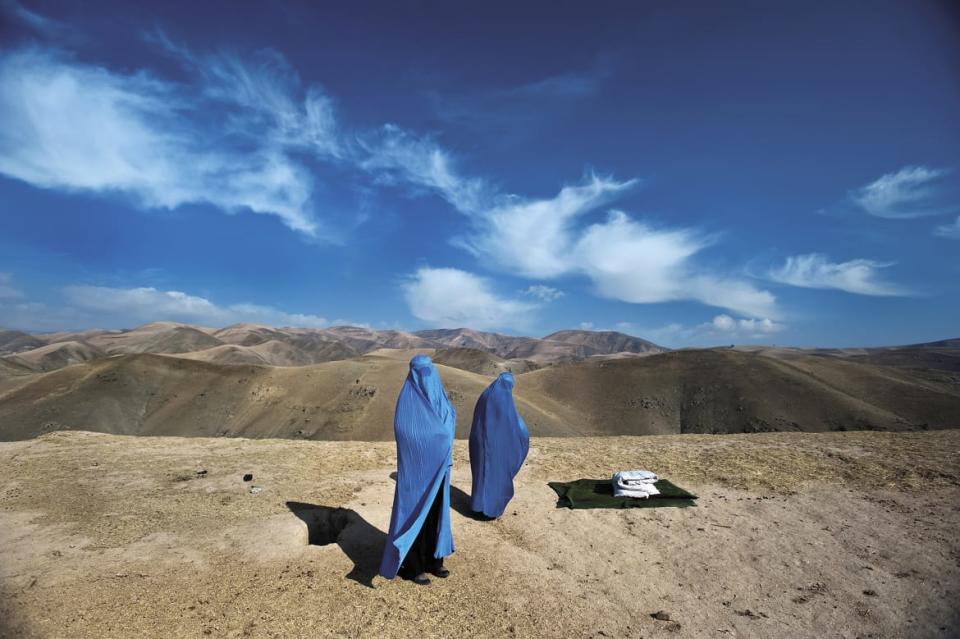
(424, 424)
(499, 442)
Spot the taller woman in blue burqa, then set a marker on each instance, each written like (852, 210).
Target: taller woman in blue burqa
(424, 424)
(499, 442)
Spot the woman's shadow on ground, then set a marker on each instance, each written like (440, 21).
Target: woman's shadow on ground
(358, 539)
(459, 501)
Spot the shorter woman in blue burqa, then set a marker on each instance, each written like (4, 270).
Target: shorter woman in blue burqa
(499, 442)
(424, 424)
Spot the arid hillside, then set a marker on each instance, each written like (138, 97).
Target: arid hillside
(728, 391)
(270, 346)
(165, 395)
(689, 391)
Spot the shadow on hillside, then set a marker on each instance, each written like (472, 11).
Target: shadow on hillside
(358, 539)
(459, 501)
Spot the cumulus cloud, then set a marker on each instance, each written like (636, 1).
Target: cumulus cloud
(949, 231)
(150, 304)
(817, 271)
(544, 293)
(449, 297)
(73, 126)
(626, 259)
(7, 291)
(535, 238)
(633, 262)
(913, 191)
(753, 327)
(722, 328)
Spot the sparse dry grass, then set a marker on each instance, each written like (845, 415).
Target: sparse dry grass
(109, 536)
(772, 462)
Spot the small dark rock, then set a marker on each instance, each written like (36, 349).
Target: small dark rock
(201, 473)
(661, 615)
(749, 613)
(248, 477)
(870, 592)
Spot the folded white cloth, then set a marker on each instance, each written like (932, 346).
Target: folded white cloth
(649, 490)
(636, 475)
(634, 483)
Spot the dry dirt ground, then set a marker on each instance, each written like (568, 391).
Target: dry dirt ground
(795, 535)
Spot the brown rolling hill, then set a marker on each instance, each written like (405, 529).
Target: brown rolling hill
(481, 362)
(499, 345)
(10, 368)
(943, 355)
(158, 337)
(18, 341)
(57, 355)
(364, 340)
(729, 391)
(605, 342)
(165, 395)
(266, 345)
(563, 346)
(689, 391)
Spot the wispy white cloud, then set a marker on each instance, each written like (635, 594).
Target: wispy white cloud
(570, 84)
(270, 105)
(449, 297)
(913, 191)
(72, 126)
(544, 293)
(36, 22)
(817, 271)
(243, 134)
(147, 304)
(25, 315)
(7, 291)
(397, 156)
(949, 231)
(509, 114)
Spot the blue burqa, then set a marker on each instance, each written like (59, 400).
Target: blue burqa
(499, 442)
(424, 424)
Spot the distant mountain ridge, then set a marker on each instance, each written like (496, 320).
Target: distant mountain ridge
(263, 345)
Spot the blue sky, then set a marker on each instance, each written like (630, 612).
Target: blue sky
(690, 173)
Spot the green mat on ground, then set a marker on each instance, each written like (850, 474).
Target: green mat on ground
(598, 493)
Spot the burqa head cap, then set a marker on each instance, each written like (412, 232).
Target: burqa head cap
(421, 361)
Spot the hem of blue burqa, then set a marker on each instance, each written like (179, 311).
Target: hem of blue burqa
(396, 551)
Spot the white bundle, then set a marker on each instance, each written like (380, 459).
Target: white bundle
(635, 483)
